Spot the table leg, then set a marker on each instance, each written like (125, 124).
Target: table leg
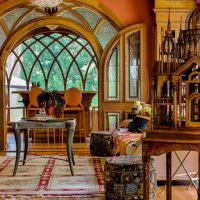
(168, 175)
(70, 159)
(146, 161)
(70, 135)
(72, 152)
(198, 191)
(17, 135)
(26, 136)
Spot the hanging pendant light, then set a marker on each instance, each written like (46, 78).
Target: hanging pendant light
(50, 6)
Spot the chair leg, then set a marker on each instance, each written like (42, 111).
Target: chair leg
(62, 130)
(34, 132)
(62, 137)
(54, 136)
(84, 124)
(80, 126)
(48, 136)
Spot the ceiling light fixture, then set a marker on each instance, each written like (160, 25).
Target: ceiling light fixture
(50, 6)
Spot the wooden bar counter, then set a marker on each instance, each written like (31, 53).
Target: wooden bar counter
(86, 97)
(86, 101)
(158, 142)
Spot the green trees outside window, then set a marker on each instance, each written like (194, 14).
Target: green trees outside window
(56, 61)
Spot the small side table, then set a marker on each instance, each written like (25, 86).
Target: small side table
(158, 142)
(25, 125)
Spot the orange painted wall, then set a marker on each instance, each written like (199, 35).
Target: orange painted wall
(133, 12)
(130, 11)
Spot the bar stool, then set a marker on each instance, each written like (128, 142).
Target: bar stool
(73, 98)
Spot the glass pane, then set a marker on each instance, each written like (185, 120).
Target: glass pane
(55, 48)
(65, 40)
(81, 41)
(46, 59)
(29, 41)
(16, 114)
(55, 79)
(31, 16)
(40, 36)
(112, 91)
(113, 75)
(10, 63)
(11, 17)
(65, 61)
(112, 121)
(3, 36)
(17, 82)
(37, 75)
(19, 49)
(89, 48)
(133, 66)
(18, 77)
(92, 79)
(46, 41)
(74, 78)
(83, 60)
(74, 48)
(92, 83)
(91, 17)
(28, 60)
(56, 35)
(37, 48)
(105, 33)
(70, 15)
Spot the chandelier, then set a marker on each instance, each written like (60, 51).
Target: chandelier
(50, 6)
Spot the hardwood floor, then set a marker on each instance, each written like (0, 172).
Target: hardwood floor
(180, 191)
(45, 149)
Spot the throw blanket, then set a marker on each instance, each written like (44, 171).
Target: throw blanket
(122, 140)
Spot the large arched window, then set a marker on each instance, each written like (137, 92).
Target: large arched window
(55, 61)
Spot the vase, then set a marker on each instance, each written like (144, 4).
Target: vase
(49, 110)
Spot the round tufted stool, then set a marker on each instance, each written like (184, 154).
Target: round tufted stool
(101, 143)
(123, 178)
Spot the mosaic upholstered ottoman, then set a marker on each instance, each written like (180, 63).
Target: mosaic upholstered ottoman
(123, 178)
(101, 143)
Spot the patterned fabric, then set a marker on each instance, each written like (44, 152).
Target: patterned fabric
(49, 177)
(123, 178)
(101, 143)
(122, 140)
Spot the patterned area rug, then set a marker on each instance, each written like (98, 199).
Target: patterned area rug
(49, 177)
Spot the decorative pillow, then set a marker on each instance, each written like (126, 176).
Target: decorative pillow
(141, 120)
(125, 123)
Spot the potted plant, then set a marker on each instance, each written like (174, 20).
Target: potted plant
(50, 100)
